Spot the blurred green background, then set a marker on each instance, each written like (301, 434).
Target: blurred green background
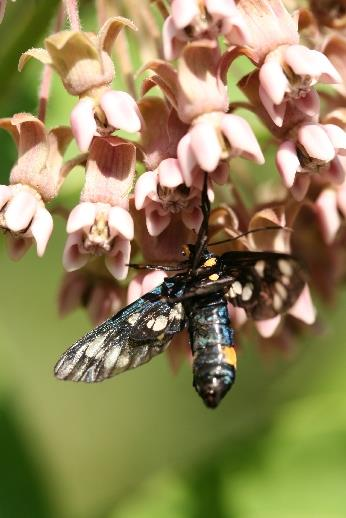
(143, 445)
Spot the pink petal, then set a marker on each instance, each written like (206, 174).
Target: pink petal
(151, 280)
(329, 73)
(5, 195)
(100, 304)
(221, 174)
(146, 185)
(316, 142)
(267, 328)
(134, 290)
(142, 283)
(183, 12)
(341, 198)
(120, 222)
(206, 146)
(276, 112)
(273, 81)
(237, 315)
(222, 8)
(72, 258)
(309, 104)
(237, 31)
(337, 137)
(326, 207)
(186, 159)
(304, 309)
(301, 186)
(17, 246)
(121, 111)
(81, 216)
(241, 137)
(20, 210)
(83, 123)
(170, 46)
(156, 220)
(192, 219)
(71, 292)
(170, 174)
(301, 60)
(41, 229)
(287, 162)
(336, 172)
(304, 61)
(116, 263)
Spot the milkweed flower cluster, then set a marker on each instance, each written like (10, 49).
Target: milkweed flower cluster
(141, 198)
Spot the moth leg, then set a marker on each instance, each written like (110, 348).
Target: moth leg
(171, 268)
(208, 287)
(202, 237)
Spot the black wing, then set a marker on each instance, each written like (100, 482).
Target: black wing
(128, 339)
(265, 284)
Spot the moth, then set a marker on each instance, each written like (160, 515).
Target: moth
(264, 284)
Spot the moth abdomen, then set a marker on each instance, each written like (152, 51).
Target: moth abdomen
(213, 375)
(214, 358)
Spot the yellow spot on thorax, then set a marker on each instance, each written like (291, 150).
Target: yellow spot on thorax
(230, 356)
(210, 262)
(214, 277)
(186, 251)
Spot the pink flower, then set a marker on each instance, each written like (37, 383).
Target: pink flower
(99, 229)
(114, 110)
(199, 95)
(34, 180)
(101, 223)
(316, 148)
(194, 19)
(162, 193)
(326, 207)
(23, 214)
(269, 25)
(288, 73)
(216, 137)
(83, 61)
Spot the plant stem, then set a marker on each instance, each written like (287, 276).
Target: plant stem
(47, 74)
(101, 11)
(72, 12)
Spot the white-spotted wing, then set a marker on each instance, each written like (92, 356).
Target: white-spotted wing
(265, 284)
(128, 339)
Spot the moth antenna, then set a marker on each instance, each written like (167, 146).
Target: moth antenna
(259, 229)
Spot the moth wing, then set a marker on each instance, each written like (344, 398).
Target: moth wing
(124, 341)
(265, 284)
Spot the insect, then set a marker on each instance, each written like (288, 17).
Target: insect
(263, 283)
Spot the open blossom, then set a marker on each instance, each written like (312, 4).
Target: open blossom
(195, 19)
(287, 70)
(200, 98)
(213, 138)
(34, 180)
(85, 67)
(163, 193)
(101, 223)
(288, 74)
(314, 150)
